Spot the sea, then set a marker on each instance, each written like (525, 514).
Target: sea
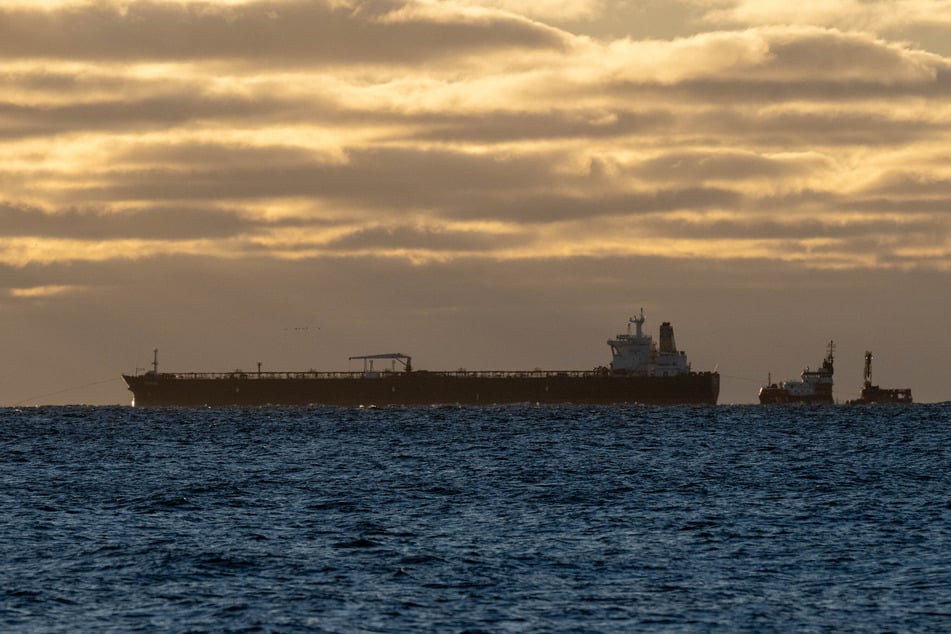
(476, 519)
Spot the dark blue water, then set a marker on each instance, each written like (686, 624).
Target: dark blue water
(513, 519)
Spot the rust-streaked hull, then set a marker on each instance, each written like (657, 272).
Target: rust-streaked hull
(421, 388)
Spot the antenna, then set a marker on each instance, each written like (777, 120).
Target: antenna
(638, 322)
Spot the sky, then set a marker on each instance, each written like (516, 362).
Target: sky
(481, 184)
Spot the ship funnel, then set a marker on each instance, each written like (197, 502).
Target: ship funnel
(667, 343)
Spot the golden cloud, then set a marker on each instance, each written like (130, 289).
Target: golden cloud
(415, 131)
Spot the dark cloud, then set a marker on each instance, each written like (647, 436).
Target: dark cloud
(500, 126)
(391, 178)
(425, 238)
(519, 188)
(139, 114)
(192, 156)
(796, 229)
(843, 55)
(722, 165)
(929, 32)
(727, 91)
(290, 33)
(910, 184)
(794, 128)
(135, 104)
(916, 262)
(51, 80)
(190, 105)
(157, 223)
(555, 207)
(808, 201)
(935, 205)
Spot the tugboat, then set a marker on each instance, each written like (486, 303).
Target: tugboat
(874, 394)
(815, 388)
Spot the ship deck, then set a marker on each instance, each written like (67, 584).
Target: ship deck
(314, 374)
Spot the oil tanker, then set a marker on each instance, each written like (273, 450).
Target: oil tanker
(641, 371)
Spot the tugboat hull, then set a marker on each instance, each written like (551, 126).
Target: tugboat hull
(872, 394)
(877, 395)
(813, 388)
(776, 395)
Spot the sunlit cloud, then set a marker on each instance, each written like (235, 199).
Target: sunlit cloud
(847, 14)
(36, 292)
(292, 33)
(545, 9)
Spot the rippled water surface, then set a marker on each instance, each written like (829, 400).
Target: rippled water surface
(511, 519)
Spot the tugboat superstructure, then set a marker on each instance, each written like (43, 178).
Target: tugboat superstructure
(815, 386)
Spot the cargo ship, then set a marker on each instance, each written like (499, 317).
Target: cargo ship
(641, 371)
(813, 388)
(877, 395)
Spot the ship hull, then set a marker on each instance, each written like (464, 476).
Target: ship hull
(422, 388)
(780, 396)
(875, 395)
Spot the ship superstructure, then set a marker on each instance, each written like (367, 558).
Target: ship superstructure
(875, 394)
(637, 354)
(814, 386)
(640, 372)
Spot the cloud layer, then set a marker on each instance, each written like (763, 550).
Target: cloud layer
(422, 121)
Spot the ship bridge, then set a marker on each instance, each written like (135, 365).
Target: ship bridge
(637, 354)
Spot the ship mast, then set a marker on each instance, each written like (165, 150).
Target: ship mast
(638, 322)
